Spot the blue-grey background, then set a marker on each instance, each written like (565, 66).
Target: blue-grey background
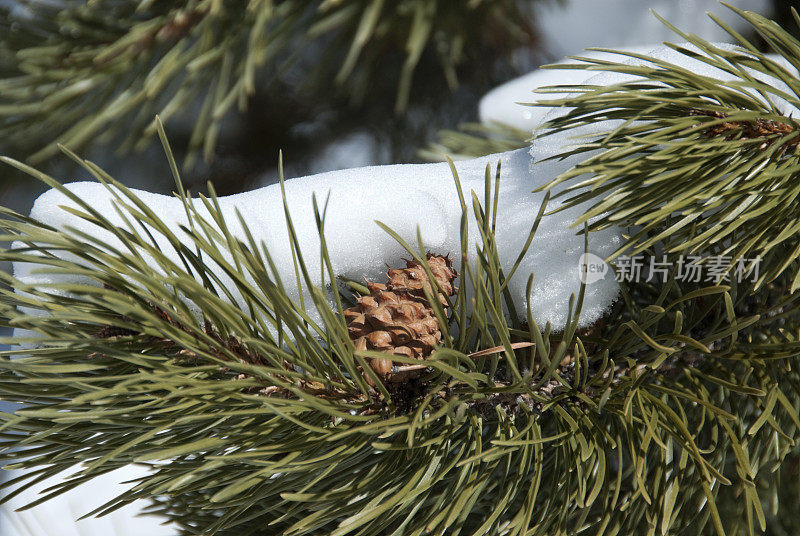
(5, 406)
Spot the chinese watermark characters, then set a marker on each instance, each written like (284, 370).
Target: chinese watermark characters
(690, 268)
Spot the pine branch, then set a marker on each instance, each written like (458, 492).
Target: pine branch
(768, 131)
(252, 415)
(80, 73)
(685, 151)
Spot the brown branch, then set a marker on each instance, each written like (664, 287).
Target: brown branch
(767, 130)
(177, 26)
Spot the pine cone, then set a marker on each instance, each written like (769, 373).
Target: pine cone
(396, 318)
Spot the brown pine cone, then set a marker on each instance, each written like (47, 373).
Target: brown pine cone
(396, 317)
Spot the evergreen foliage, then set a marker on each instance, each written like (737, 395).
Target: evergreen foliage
(77, 72)
(693, 158)
(678, 414)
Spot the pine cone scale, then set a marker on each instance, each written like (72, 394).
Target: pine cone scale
(396, 317)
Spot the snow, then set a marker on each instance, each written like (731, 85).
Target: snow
(406, 197)
(627, 25)
(545, 147)
(510, 103)
(403, 197)
(58, 516)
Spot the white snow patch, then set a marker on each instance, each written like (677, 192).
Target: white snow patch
(59, 516)
(512, 103)
(404, 197)
(545, 147)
